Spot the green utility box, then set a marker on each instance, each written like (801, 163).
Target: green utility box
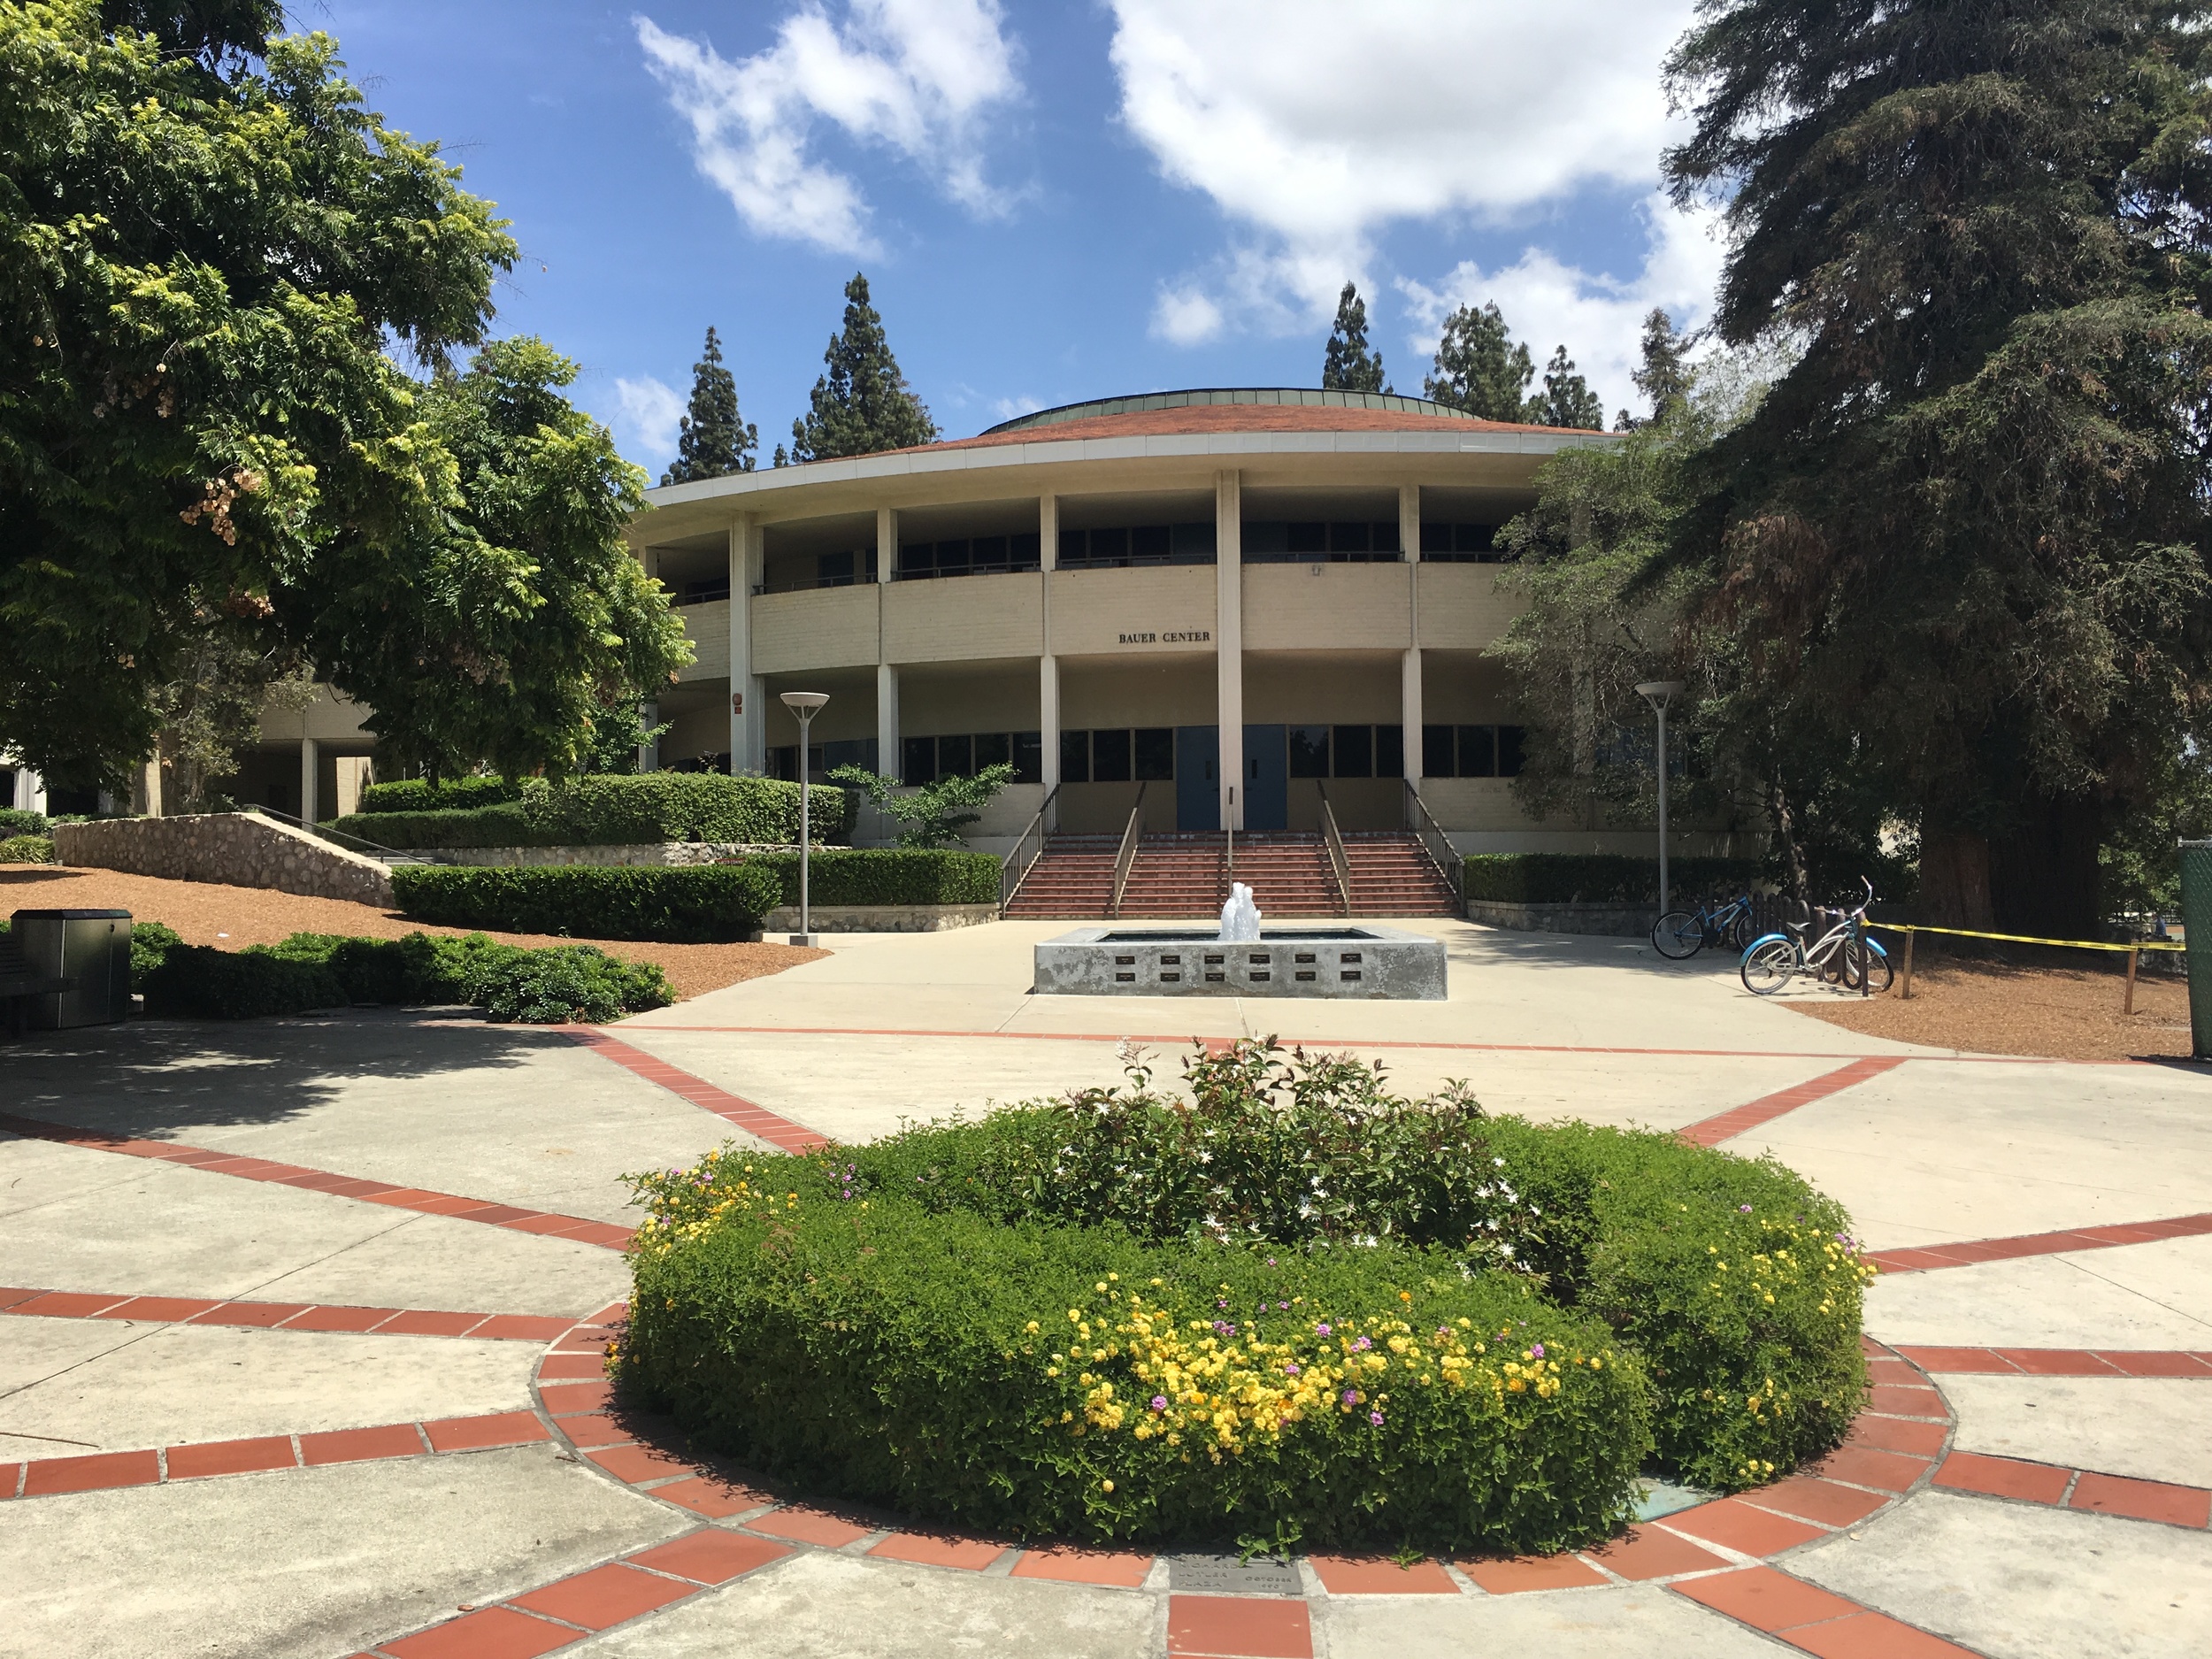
(2196, 917)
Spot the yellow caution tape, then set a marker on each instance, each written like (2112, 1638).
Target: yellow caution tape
(2022, 939)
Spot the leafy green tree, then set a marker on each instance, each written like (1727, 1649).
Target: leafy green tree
(862, 405)
(1663, 374)
(933, 815)
(1479, 367)
(1568, 400)
(1347, 364)
(210, 256)
(714, 441)
(1964, 536)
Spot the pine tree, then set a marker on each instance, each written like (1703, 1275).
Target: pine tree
(1479, 368)
(1347, 364)
(713, 441)
(1568, 400)
(863, 405)
(1663, 376)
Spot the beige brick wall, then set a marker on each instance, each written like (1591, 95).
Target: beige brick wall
(1092, 609)
(819, 628)
(1326, 607)
(964, 617)
(1461, 606)
(708, 628)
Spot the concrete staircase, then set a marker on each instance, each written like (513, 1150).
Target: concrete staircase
(1187, 876)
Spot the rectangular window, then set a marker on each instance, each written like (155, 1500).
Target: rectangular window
(1075, 547)
(955, 756)
(1306, 538)
(1511, 741)
(1308, 751)
(1383, 537)
(1149, 544)
(920, 759)
(1109, 756)
(1155, 752)
(1355, 751)
(1075, 757)
(1438, 759)
(1435, 538)
(994, 748)
(853, 751)
(1475, 538)
(1193, 544)
(705, 593)
(1264, 540)
(1028, 757)
(835, 569)
(1348, 538)
(952, 558)
(1390, 751)
(1021, 551)
(1109, 546)
(1477, 751)
(989, 551)
(916, 559)
(783, 762)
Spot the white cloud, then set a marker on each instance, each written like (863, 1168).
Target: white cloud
(913, 75)
(1186, 316)
(646, 413)
(1013, 408)
(1312, 126)
(1596, 316)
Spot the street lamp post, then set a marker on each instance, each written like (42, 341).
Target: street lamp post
(1659, 693)
(806, 705)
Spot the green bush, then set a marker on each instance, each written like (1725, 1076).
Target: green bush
(1600, 877)
(200, 982)
(886, 876)
(607, 812)
(419, 794)
(26, 850)
(860, 1317)
(701, 903)
(150, 941)
(15, 821)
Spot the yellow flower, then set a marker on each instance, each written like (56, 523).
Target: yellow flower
(1105, 1485)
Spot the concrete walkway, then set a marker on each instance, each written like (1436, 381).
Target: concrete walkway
(302, 1352)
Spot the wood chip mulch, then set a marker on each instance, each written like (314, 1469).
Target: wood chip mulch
(1993, 1008)
(207, 913)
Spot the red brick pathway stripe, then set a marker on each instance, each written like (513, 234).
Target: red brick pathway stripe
(1811, 1619)
(2060, 1487)
(1743, 1119)
(283, 1315)
(580, 1228)
(1928, 1257)
(755, 1120)
(2061, 1362)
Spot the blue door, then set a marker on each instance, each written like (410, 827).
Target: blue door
(1266, 777)
(1197, 777)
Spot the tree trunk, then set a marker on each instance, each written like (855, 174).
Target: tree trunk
(1800, 883)
(1954, 879)
(2043, 877)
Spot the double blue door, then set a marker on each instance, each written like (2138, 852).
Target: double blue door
(1266, 783)
(1266, 777)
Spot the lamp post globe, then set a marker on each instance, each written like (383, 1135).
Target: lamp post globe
(1659, 693)
(805, 705)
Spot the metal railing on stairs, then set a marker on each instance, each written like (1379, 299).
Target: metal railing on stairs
(1014, 868)
(1127, 857)
(1339, 862)
(1437, 844)
(356, 843)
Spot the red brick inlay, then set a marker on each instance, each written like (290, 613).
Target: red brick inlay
(2061, 1362)
(810, 1526)
(291, 1316)
(1066, 1564)
(1641, 1553)
(754, 1120)
(580, 1228)
(1378, 1575)
(2143, 1500)
(1928, 1257)
(1755, 1114)
(1237, 1627)
(939, 1549)
(496, 1633)
(605, 1596)
(2030, 1482)
(1537, 1573)
(710, 1556)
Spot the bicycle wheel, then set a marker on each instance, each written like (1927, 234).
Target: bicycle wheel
(1767, 968)
(1877, 969)
(1677, 935)
(1738, 934)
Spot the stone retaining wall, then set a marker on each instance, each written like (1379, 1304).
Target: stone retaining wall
(240, 848)
(1625, 921)
(666, 853)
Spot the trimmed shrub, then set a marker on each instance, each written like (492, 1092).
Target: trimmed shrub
(150, 941)
(419, 794)
(1598, 878)
(200, 982)
(26, 850)
(503, 826)
(610, 811)
(886, 876)
(859, 1317)
(15, 821)
(697, 904)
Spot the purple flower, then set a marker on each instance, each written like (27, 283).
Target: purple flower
(1351, 1396)
(1221, 1303)
(1375, 1418)
(1743, 1210)
(1537, 1351)
(1361, 1344)
(1284, 1306)
(1291, 1369)
(1270, 1261)
(1159, 1403)
(1321, 1330)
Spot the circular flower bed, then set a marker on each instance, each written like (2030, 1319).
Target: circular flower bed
(1290, 1308)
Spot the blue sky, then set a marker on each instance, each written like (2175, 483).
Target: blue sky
(1051, 202)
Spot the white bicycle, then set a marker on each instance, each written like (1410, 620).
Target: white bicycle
(1845, 954)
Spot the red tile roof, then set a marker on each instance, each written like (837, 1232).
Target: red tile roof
(1230, 418)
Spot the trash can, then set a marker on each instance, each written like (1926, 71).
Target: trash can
(90, 949)
(2196, 917)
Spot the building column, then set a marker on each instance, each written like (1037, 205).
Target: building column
(1049, 662)
(1409, 705)
(1229, 640)
(649, 749)
(353, 777)
(310, 770)
(889, 763)
(146, 787)
(30, 790)
(747, 719)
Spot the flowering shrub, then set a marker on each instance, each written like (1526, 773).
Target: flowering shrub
(1293, 1304)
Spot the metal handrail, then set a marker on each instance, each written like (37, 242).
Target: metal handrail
(1011, 880)
(1339, 863)
(323, 831)
(1435, 842)
(1229, 863)
(1128, 856)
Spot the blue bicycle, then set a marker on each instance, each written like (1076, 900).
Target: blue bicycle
(1845, 954)
(1680, 934)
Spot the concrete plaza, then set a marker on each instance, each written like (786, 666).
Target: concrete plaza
(301, 1353)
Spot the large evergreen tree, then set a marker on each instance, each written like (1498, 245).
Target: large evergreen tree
(1567, 399)
(1347, 364)
(1480, 366)
(713, 441)
(862, 404)
(1662, 372)
(1965, 535)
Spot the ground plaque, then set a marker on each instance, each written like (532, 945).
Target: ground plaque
(1225, 1575)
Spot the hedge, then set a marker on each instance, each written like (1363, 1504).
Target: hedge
(15, 821)
(886, 876)
(688, 904)
(26, 850)
(892, 1322)
(602, 811)
(419, 794)
(550, 985)
(1600, 877)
